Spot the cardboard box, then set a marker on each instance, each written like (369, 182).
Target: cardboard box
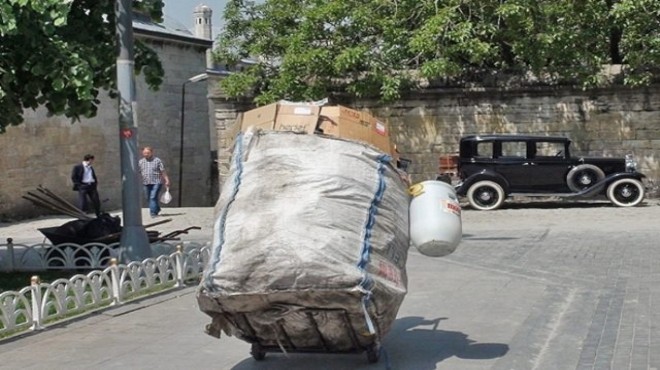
(262, 117)
(347, 123)
(301, 118)
(337, 121)
(380, 135)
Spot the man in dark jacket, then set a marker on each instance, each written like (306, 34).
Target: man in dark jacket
(85, 183)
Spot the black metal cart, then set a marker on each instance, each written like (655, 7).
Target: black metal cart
(309, 330)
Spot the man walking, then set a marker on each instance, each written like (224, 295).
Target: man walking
(153, 174)
(85, 183)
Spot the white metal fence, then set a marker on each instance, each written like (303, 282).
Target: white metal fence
(70, 256)
(40, 303)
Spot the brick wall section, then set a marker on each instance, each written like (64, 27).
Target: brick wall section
(603, 122)
(43, 149)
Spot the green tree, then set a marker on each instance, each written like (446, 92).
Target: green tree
(60, 54)
(560, 40)
(639, 25)
(308, 49)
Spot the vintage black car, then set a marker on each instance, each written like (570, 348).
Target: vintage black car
(492, 168)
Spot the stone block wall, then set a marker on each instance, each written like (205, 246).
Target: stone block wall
(603, 122)
(160, 120)
(429, 123)
(43, 149)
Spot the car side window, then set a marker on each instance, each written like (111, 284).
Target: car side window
(484, 150)
(514, 149)
(546, 150)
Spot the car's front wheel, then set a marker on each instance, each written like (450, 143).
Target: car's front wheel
(485, 195)
(626, 192)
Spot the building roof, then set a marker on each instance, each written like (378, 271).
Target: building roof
(169, 29)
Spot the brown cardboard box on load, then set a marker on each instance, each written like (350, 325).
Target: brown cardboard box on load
(261, 117)
(338, 121)
(301, 118)
(297, 117)
(347, 123)
(380, 135)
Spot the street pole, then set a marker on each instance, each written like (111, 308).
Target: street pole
(199, 77)
(134, 242)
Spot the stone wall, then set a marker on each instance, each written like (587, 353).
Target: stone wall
(429, 123)
(604, 122)
(42, 150)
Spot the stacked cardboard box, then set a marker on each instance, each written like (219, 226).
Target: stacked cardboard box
(300, 118)
(337, 121)
(347, 123)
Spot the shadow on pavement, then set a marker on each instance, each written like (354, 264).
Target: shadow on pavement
(418, 342)
(413, 343)
(551, 204)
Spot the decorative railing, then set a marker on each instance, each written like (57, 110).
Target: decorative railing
(43, 303)
(69, 256)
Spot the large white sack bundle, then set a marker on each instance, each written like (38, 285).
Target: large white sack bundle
(306, 222)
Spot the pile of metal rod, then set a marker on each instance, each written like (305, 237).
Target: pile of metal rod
(47, 199)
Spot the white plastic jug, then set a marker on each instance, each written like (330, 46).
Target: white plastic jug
(435, 218)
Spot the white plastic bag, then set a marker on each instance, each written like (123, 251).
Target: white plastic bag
(166, 197)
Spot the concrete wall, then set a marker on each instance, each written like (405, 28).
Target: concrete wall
(43, 149)
(429, 123)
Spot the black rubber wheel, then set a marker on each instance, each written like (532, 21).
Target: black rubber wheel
(626, 192)
(373, 353)
(583, 176)
(257, 352)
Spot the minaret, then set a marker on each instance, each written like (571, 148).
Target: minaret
(203, 28)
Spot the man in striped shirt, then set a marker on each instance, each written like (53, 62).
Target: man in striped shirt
(154, 176)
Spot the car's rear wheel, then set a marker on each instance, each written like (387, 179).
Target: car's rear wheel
(583, 177)
(485, 195)
(626, 192)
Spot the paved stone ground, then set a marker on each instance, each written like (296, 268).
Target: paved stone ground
(532, 286)
(600, 267)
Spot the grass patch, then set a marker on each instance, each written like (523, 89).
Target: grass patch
(18, 280)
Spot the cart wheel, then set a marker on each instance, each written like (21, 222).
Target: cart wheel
(373, 353)
(257, 352)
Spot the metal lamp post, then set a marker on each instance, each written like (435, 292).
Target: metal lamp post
(134, 240)
(199, 77)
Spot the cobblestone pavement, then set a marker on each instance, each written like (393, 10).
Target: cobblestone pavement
(600, 268)
(532, 286)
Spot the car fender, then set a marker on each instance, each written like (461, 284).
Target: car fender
(462, 188)
(604, 183)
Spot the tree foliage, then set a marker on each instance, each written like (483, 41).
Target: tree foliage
(308, 49)
(60, 54)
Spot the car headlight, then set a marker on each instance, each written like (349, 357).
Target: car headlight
(631, 164)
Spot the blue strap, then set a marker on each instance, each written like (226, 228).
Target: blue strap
(219, 241)
(367, 282)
